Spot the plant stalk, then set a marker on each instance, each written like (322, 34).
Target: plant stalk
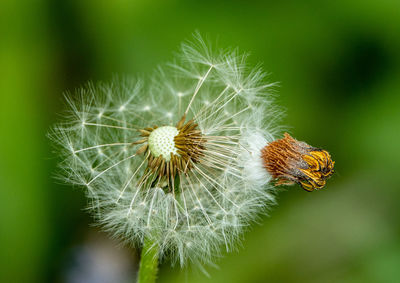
(148, 267)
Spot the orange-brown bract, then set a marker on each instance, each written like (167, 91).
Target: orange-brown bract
(190, 145)
(291, 161)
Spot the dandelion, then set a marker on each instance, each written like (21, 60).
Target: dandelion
(160, 164)
(181, 167)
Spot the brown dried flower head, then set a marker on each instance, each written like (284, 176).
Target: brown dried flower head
(291, 161)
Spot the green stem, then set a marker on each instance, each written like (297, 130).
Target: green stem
(148, 267)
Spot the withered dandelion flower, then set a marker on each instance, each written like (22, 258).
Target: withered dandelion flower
(291, 161)
(288, 161)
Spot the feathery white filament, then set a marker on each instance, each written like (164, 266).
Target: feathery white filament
(223, 191)
(251, 158)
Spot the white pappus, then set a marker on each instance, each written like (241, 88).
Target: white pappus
(176, 162)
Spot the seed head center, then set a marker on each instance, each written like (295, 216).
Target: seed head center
(161, 142)
(170, 151)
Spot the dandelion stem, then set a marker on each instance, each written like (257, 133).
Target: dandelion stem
(148, 262)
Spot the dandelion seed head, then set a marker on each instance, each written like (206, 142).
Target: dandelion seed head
(171, 162)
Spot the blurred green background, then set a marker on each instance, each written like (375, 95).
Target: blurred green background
(338, 64)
